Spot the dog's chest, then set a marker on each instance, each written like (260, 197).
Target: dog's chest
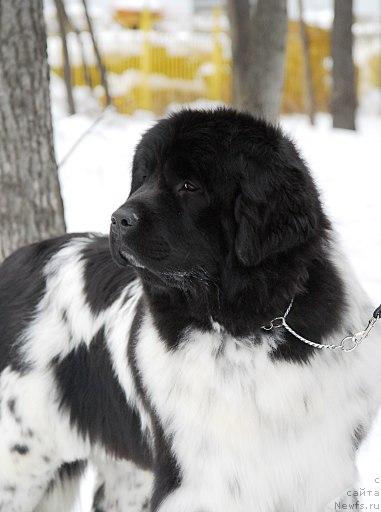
(243, 428)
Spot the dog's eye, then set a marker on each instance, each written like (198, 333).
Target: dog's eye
(188, 186)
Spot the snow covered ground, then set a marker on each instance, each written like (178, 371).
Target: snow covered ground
(96, 176)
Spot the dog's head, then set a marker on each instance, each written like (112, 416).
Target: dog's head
(211, 191)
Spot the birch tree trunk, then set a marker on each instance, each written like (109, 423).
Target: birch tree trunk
(30, 200)
(344, 100)
(261, 47)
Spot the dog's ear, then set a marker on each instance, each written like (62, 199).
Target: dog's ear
(275, 213)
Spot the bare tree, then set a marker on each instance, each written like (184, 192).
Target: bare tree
(259, 47)
(344, 100)
(62, 22)
(73, 27)
(307, 67)
(30, 200)
(101, 67)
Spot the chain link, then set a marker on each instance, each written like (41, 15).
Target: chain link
(347, 344)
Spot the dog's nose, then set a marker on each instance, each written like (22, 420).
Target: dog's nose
(124, 218)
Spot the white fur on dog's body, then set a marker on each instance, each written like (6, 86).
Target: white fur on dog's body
(38, 425)
(125, 487)
(248, 433)
(252, 434)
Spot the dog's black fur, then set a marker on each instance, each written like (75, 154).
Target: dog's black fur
(236, 249)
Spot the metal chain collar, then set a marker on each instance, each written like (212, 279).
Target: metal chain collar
(347, 344)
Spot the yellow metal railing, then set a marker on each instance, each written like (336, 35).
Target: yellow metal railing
(150, 70)
(160, 73)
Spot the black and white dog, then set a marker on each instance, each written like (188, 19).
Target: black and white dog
(156, 357)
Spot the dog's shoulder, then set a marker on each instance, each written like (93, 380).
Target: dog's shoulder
(66, 311)
(22, 285)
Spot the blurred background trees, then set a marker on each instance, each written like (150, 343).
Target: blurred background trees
(269, 57)
(252, 53)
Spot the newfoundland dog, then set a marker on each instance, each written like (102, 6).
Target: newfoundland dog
(194, 356)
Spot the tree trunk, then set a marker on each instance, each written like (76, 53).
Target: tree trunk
(239, 19)
(344, 101)
(258, 48)
(307, 67)
(30, 200)
(265, 74)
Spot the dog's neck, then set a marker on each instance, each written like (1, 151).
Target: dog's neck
(243, 300)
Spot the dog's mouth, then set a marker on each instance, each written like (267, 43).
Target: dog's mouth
(130, 259)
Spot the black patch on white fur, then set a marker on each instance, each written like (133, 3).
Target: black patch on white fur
(97, 404)
(104, 279)
(21, 449)
(11, 489)
(22, 285)
(67, 472)
(99, 499)
(358, 435)
(12, 406)
(29, 433)
(71, 470)
(165, 466)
